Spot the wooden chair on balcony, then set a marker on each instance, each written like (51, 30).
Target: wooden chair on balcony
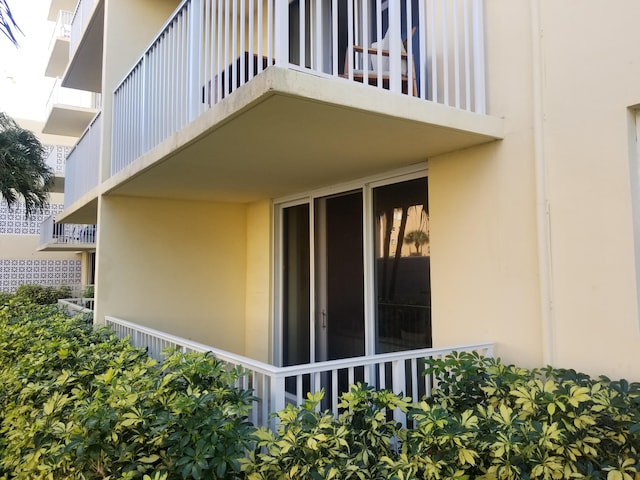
(370, 62)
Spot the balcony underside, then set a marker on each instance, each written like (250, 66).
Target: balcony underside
(58, 58)
(85, 210)
(85, 67)
(56, 5)
(288, 131)
(68, 120)
(66, 247)
(58, 184)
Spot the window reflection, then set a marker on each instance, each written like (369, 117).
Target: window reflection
(402, 266)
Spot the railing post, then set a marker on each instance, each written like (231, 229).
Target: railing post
(478, 57)
(276, 397)
(194, 10)
(399, 387)
(281, 33)
(395, 42)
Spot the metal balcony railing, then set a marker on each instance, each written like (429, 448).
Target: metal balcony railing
(428, 49)
(83, 163)
(79, 22)
(62, 28)
(66, 233)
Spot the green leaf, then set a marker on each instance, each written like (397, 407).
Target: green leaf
(150, 459)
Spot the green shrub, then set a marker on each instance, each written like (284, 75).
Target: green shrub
(514, 423)
(359, 443)
(485, 420)
(79, 403)
(41, 295)
(5, 297)
(88, 291)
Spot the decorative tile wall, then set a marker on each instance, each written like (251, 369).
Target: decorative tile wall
(14, 273)
(14, 222)
(55, 273)
(56, 156)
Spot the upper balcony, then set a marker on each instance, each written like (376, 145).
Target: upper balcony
(69, 111)
(82, 175)
(262, 98)
(84, 71)
(59, 45)
(57, 237)
(56, 5)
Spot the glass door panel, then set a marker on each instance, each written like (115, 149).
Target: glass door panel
(402, 268)
(339, 276)
(296, 288)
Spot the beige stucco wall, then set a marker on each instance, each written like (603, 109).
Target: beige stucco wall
(486, 264)
(258, 308)
(563, 91)
(22, 247)
(482, 205)
(592, 67)
(177, 266)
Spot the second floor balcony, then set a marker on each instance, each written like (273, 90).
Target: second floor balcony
(256, 87)
(59, 45)
(84, 71)
(66, 237)
(69, 111)
(82, 169)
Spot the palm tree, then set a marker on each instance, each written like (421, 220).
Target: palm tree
(23, 171)
(8, 25)
(417, 238)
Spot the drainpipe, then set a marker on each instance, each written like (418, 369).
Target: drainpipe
(542, 196)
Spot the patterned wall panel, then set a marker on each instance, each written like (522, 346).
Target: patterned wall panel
(14, 273)
(55, 157)
(14, 222)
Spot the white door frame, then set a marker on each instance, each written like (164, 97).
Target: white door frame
(366, 185)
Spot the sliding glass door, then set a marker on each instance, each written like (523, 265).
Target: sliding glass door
(348, 290)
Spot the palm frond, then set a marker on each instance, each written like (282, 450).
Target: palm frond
(8, 25)
(23, 171)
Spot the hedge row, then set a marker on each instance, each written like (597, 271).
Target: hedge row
(78, 403)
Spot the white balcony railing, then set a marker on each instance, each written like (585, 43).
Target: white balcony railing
(62, 28)
(66, 233)
(276, 386)
(71, 97)
(428, 49)
(83, 163)
(74, 306)
(79, 22)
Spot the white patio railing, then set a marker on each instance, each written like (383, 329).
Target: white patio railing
(66, 233)
(74, 306)
(83, 162)
(274, 387)
(429, 49)
(81, 17)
